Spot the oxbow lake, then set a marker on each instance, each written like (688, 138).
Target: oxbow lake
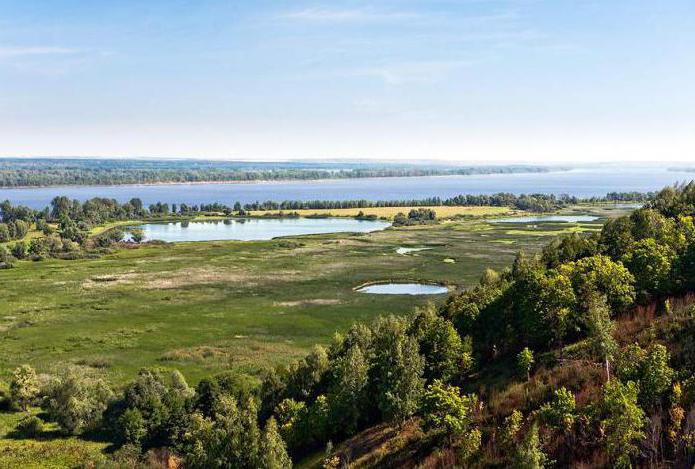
(403, 289)
(583, 182)
(253, 229)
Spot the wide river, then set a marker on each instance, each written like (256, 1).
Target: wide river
(577, 182)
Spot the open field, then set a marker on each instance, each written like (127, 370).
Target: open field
(204, 307)
(390, 212)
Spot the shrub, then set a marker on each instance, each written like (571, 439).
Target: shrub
(30, 427)
(77, 401)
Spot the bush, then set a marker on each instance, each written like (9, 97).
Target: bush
(77, 401)
(29, 427)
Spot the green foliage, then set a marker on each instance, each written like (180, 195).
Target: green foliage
(132, 426)
(529, 454)
(510, 430)
(524, 362)
(24, 386)
(649, 368)
(30, 427)
(561, 412)
(651, 264)
(77, 401)
(441, 346)
(600, 274)
(6, 259)
(396, 370)
(230, 439)
(348, 392)
(446, 411)
(623, 421)
(272, 448)
(163, 400)
(600, 329)
(656, 376)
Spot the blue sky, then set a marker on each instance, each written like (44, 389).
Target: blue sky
(467, 80)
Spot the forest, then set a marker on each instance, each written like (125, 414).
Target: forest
(581, 355)
(37, 172)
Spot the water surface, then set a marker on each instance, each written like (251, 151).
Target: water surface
(546, 219)
(252, 229)
(404, 289)
(584, 182)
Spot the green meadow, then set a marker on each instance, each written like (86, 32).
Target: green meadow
(211, 306)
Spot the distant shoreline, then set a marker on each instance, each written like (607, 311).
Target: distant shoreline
(278, 181)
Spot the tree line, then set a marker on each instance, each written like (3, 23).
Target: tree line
(54, 172)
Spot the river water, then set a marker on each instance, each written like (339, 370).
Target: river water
(578, 182)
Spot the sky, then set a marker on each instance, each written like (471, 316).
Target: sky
(460, 80)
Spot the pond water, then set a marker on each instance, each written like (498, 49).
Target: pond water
(253, 229)
(404, 289)
(546, 219)
(409, 250)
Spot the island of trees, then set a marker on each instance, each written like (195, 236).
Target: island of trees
(33, 172)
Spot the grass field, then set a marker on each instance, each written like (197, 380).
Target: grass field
(207, 307)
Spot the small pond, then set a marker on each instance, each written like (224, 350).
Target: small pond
(253, 229)
(404, 289)
(546, 218)
(409, 250)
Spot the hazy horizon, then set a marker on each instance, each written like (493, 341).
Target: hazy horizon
(471, 81)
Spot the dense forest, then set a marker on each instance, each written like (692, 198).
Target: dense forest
(583, 355)
(58, 172)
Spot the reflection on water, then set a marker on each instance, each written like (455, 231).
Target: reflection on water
(546, 218)
(404, 289)
(251, 229)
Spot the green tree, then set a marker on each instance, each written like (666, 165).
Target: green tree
(132, 427)
(77, 401)
(524, 362)
(348, 392)
(446, 411)
(24, 386)
(272, 448)
(230, 439)
(657, 376)
(600, 274)
(651, 264)
(396, 370)
(510, 430)
(561, 412)
(623, 422)
(600, 330)
(441, 346)
(529, 454)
